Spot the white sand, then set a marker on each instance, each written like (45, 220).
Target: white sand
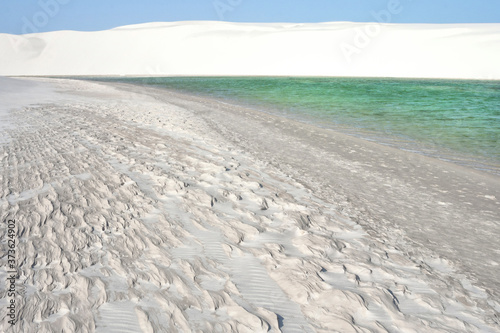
(467, 51)
(142, 210)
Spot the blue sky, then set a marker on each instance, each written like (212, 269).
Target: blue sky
(26, 16)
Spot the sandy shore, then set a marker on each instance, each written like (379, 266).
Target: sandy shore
(142, 210)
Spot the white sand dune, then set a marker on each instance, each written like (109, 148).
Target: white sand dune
(141, 210)
(467, 51)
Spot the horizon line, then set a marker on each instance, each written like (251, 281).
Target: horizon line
(256, 23)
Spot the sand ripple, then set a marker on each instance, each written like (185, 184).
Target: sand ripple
(133, 215)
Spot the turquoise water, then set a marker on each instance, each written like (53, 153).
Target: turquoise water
(450, 119)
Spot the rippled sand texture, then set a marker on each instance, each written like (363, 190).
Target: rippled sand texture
(136, 215)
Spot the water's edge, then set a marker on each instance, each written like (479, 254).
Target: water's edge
(480, 155)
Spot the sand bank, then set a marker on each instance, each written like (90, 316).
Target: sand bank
(144, 210)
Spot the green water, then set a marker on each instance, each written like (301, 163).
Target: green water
(450, 119)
